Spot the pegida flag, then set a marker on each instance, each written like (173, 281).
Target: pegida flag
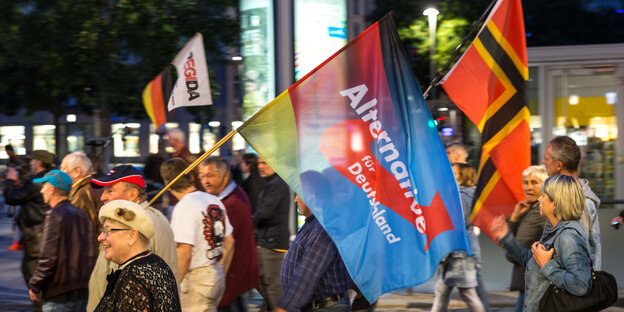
(154, 96)
(488, 84)
(355, 139)
(192, 88)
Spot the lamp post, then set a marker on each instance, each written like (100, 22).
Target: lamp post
(432, 16)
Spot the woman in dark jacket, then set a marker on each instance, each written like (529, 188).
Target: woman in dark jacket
(144, 281)
(526, 223)
(561, 255)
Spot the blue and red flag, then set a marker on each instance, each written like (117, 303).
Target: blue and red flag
(391, 204)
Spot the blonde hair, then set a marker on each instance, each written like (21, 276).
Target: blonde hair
(467, 174)
(567, 194)
(538, 171)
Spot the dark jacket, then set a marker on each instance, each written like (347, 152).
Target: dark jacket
(252, 186)
(271, 217)
(33, 209)
(66, 254)
(527, 230)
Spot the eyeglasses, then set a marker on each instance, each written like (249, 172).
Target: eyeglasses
(108, 231)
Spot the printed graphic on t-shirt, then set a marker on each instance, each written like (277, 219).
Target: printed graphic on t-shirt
(214, 231)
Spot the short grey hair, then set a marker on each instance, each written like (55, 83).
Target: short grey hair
(565, 150)
(538, 171)
(176, 134)
(128, 186)
(219, 162)
(80, 160)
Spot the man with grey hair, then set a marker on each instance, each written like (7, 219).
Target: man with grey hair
(176, 139)
(203, 234)
(563, 156)
(78, 166)
(243, 275)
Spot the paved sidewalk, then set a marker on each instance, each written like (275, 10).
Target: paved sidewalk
(13, 290)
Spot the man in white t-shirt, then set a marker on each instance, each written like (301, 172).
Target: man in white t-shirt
(203, 234)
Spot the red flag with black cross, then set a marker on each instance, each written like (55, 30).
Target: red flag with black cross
(488, 84)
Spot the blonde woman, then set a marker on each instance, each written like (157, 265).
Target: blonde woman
(561, 255)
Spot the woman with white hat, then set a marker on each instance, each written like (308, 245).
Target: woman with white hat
(143, 281)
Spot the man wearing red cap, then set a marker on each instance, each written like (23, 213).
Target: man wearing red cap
(125, 182)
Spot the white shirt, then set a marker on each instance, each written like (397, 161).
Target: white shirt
(200, 219)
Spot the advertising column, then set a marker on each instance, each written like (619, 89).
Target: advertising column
(258, 52)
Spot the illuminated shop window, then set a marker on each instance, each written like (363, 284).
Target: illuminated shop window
(126, 139)
(210, 139)
(75, 138)
(43, 138)
(584, 102)
(193, 137)
(14, 135)
(153, 138)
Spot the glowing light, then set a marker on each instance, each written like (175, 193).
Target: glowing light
(356, 142)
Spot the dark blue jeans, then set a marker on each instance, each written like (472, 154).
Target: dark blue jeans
(520, 302)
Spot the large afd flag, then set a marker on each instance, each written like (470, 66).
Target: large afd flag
(488, 84)
(154, 96)
(192, 88)
(355, 139)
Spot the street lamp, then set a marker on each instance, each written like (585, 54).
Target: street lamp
(432, 15)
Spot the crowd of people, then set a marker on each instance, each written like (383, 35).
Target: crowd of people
(94, 242)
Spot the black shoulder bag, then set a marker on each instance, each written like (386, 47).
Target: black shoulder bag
(603, 294)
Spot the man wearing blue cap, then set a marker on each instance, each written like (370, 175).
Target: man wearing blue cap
(66, 253)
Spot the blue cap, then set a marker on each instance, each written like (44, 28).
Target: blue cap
(57, 178)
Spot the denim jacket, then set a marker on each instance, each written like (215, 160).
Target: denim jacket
(569, 269)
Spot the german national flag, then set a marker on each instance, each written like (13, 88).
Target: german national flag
(156, 95)
(488, 84)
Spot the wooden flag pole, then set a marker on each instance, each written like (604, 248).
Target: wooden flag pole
(195, 163)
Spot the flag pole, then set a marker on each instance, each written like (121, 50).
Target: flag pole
(440, 74)
(195, 163)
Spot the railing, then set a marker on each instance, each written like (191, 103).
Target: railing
(611, 202)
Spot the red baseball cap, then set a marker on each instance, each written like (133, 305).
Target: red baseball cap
(123, 173)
